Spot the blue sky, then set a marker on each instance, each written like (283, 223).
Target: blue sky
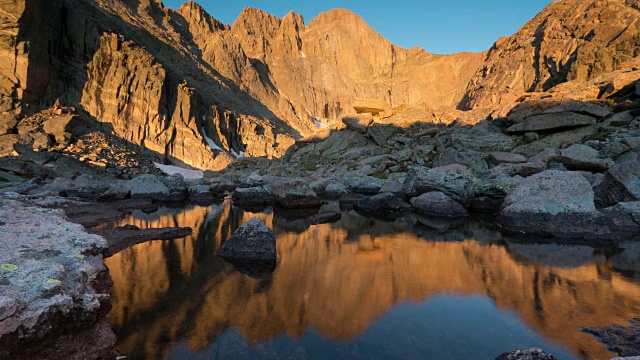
(438, 26)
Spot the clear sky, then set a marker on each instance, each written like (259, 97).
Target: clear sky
(438, 26)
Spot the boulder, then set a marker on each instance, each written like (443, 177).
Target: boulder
(375, 106)
(421, 180)
(472, 160)
(506, 157)
(380, 133)
(253, 241)
(73, 124)
(41, 142)
(557, 140)
(9, 144)
(553, 203)
(297, 197)
(8, 122)
(260, 195)
(382, 203)
(394, 187)
(436, 203)
(624, 218)
(622, 182)
(455, 169)
(200, 194)
(335, 190)
(530, 168)
(359, 123)
(526, 354)
(551, 122)
(55, 288)
(482, 138)
(361, 184)
(177, 186)
(581, 107)
(148, 186)
(582, 157)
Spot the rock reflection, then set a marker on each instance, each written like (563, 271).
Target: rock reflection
(339, 278)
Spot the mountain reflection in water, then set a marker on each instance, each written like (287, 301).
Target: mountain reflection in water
(363, 288)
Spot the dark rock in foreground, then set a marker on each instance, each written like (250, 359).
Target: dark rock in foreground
(253, 241)
(625, 341)
(526, 354)
(54, 288)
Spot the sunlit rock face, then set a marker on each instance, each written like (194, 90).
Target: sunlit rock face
(163, 79)
(339, 279)
(557, 46)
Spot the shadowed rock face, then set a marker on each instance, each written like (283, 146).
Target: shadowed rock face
(338, 280)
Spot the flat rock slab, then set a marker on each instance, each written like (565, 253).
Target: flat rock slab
(507, 158)
(54, 288)
(582, 157)
(551, 122)
(123, 237)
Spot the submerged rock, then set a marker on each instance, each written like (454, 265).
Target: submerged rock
(526, 354)
(54, 287)
(253, 241)
(325, 217)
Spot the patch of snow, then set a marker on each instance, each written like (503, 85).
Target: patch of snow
(237, 155)
(303, 55)
(319, 124)
(211, 143)
(186, 173)
(204, 118)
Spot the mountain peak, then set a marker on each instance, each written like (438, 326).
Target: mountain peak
(195, 14)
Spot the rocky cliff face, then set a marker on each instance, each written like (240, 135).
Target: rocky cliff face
(569, 40)
(196, 92)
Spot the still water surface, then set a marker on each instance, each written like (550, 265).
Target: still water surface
(364, 289)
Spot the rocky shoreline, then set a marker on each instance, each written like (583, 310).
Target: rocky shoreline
(439, 195)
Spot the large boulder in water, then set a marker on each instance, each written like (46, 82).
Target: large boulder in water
(253, 241)
(553, 203)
